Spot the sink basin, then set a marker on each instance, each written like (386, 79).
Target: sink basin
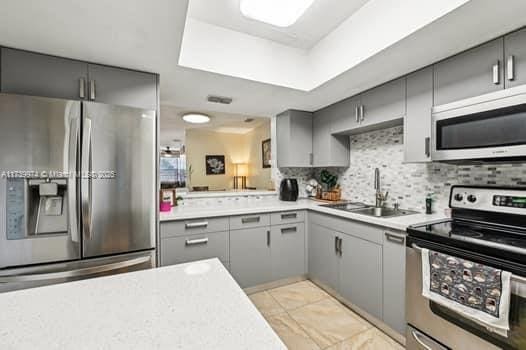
(383, 212)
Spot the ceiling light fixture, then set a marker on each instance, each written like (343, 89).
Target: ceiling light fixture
(196, 118)
(280, 13)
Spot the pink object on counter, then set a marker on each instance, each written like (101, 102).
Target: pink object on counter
(166, 206)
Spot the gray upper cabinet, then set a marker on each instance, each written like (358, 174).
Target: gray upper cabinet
(515, 58)
(417, 121)
(294, 139)
(29, 73)
(475, 72)
(343, 115)
(383, 104)
(122, 87)
(250, 256)
(288, 250)
(328, 150)
(394, 281)
(323, 258)
(360, 274)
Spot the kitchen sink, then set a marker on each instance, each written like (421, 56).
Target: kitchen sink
(364, 209)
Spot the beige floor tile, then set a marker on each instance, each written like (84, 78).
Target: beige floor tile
(328, 322)
(298, 294)
(372, 339)
(266, 304)
(291, 333)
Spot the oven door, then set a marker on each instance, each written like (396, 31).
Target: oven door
(488, 127)
(450, 328)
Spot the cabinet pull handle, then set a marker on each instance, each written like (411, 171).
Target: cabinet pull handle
(340, 246)
(510, 69)
(250, 220)
(268, 238)
(311, 158)
(196, 241)
(496, 73)
(92, 90)
(289, 229)
(395, 238)
(336, 245)
(82, 88)
(362, 113)
(289, 216)
(428, 146)
(357, 113)
(196, 224)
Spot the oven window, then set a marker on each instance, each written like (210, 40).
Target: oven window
(500, 127)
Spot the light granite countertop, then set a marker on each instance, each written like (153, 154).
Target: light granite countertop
(188, 306)
(254, 205)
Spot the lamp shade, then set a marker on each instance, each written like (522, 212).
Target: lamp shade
(241, 169)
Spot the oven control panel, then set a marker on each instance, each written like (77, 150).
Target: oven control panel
(503, 200)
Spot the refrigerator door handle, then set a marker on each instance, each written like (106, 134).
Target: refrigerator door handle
(72, 181)
(75, 273)
(86, 179)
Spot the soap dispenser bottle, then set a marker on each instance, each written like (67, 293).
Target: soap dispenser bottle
(429, 203)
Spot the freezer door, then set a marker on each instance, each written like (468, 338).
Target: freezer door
(39, 144)
(118, 186)
(42, 275)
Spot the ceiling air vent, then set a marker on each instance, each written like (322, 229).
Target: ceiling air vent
(219, 99)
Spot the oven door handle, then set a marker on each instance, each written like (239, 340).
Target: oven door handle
(421, 340)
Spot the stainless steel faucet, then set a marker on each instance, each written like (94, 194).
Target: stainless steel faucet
(380, 197)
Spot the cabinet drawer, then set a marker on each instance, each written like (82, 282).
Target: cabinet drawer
(287, 217)
(247, 221)
(176, 250)
(194, 226)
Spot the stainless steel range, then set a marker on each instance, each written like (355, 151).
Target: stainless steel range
(488, 226)
(77, 190)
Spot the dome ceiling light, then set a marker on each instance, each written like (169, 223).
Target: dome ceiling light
(279, 13)
(196, 118)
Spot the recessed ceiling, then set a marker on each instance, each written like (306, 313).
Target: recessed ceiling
(319, 20)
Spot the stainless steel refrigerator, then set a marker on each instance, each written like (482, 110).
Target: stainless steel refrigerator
(77, 190)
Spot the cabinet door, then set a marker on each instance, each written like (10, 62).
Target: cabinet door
(124, 87)
(394, 281)
(288, 250)
(470, 73)
(328, 150)
(360, 274)
(28, 73)
(515, 58)
(417, 121)
(250, 256)
(294, 139)
(344, 115)
(323, 259)
(384, 103)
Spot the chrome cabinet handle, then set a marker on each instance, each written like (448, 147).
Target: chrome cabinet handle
(196, 224)
(75, 273)
(311, 158)
(198, 241)
(496, 73)
(82, 88)
(289, 229)
(428, 146)
(399, 239)
(92, 90)
(510, 69)
(86, 179)
(289, 216)
(340, 244)
(362, 113)
(336, 244)
(268, 238)
(72, 182)
(357, 113)
(250, 220)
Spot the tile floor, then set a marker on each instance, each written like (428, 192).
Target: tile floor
(307, 318)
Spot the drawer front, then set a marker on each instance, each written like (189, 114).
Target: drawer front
(368, 232)
(194, 226)
(248, 221)
(176, 250)
(287, 217)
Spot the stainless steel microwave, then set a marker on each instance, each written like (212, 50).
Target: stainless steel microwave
(489, 127)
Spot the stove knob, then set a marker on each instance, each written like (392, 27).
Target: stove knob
(472, 198)
(458, 197)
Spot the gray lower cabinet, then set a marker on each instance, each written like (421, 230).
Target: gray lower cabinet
(360, 274)
(180, 249)
(288, 250)
(417, 121)
(383, 104)
(294, 139)
(250, 256)
(28, 73)
(323, 259)
(122, 87)
(475, 72)
(515, 58)
(394, 280)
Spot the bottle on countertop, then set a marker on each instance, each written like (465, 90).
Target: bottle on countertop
(429, 203)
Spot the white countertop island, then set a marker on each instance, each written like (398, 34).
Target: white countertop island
(188, 306)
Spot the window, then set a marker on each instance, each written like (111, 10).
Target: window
(173, 171)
